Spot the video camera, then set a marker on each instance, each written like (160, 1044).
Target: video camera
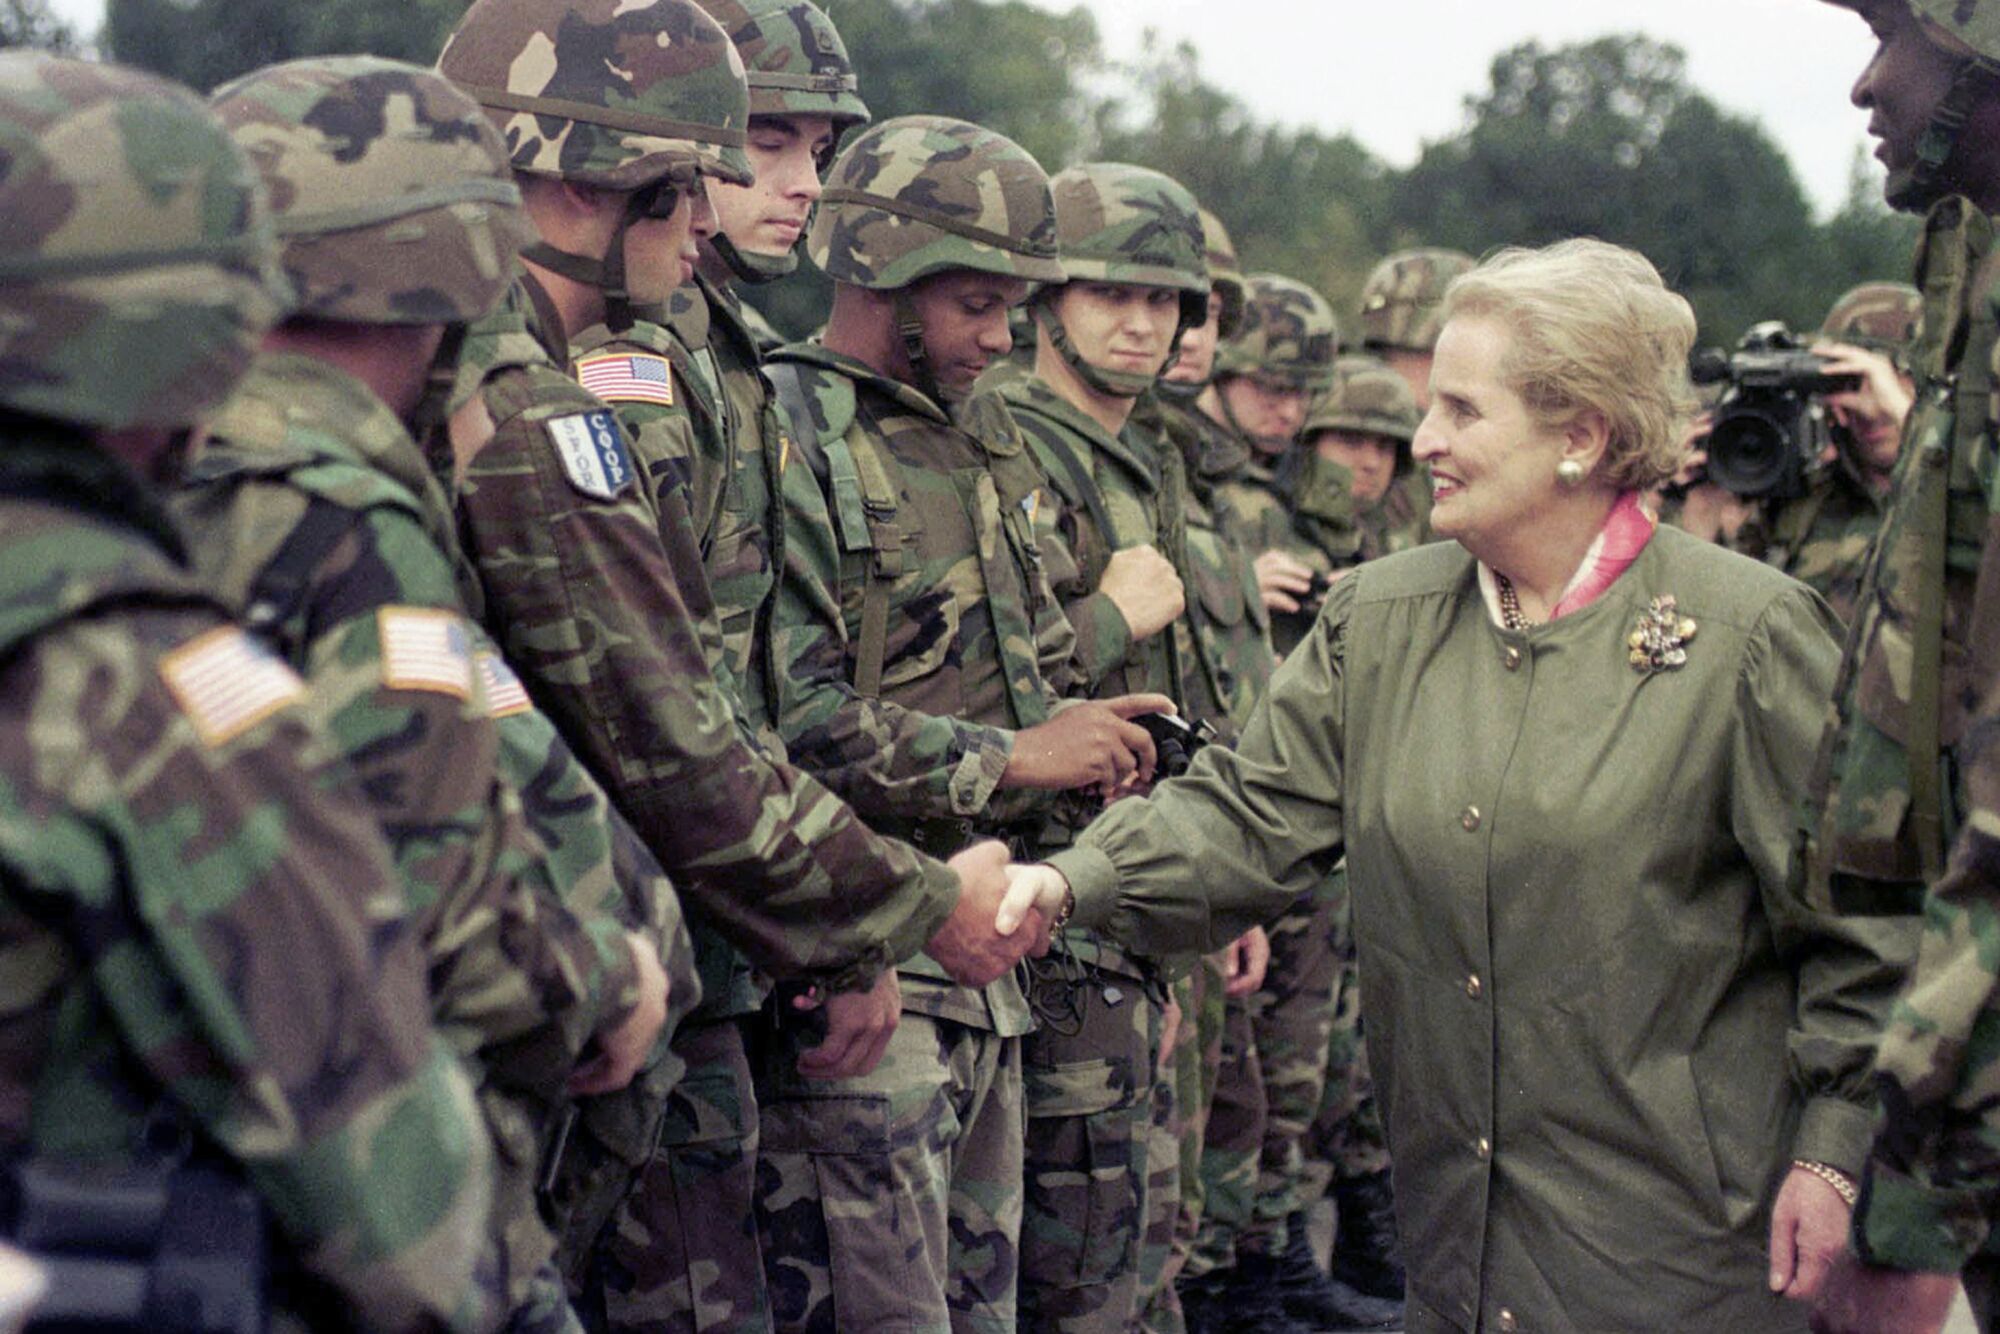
(1770, 427)
(1175, 741)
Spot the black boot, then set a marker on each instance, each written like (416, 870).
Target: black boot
(1366, 1255)
(1310, 1297)
(1217, 1303)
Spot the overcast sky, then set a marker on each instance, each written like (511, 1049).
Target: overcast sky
(1395, 73)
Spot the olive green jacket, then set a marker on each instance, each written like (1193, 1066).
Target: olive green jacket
(1601, 1024)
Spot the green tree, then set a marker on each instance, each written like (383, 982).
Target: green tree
(31, 23)
(207, 42)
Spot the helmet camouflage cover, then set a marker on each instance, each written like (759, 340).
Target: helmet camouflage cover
(1370, 399)
(1881, 316)
(1123, 224)
(1289, 333)
(1403, 294)
(138, 270)
(1974, 24)
(794, 59)
(1225, 273)
(613, 93)
(390, 189)
(920, 195)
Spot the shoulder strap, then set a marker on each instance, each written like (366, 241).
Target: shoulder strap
(277, 596)
(1085, 491)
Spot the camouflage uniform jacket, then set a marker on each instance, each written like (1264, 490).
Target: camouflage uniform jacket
(193, 904)
(1225, 638)
(593, 583)
(1101, 494)
(1821, 538)
(1933, 1182)
(1398, 521)
(919, 521)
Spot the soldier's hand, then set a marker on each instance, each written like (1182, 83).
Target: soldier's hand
(969, 945)
(1034, 901)
(1245, 962)
(1875, 410)
(1808, 1229)
(623, 1051)
(1862, 1299)
(1142, 584)
(859, 1025)
(1087, 744)
(1282, 580)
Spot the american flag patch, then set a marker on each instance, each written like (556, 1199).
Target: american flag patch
(226, 682)
(504, 692)
(423, 649)
(633, 377)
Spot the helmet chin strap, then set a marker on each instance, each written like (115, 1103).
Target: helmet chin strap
(1113, 384)
(1924, 182)
(753, 268)
(606, 273)
(910, 331)
(426, 421)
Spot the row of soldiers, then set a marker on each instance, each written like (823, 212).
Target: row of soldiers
(416, 557)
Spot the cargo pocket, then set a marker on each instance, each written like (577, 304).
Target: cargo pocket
(844, 1239)
(1081, 1216)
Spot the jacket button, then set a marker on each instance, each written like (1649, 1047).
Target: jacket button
(1469, 818)
(1512, 658)
(1484, 1148)
(1507, 1323)
(1473, 986)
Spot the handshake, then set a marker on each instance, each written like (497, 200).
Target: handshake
(1005, 912)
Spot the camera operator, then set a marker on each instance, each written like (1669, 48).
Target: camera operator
(1802, 488)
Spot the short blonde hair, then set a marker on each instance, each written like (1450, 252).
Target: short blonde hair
(1594, 329)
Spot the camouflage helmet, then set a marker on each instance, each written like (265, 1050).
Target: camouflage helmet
(1371, 398)
(1879, 316)
(1403, 294)
(1289, 333)
(1974, 24)
(794, 59)
(390, 189)
(138, 269)
(612, 93)
(920, 195)
(1225, 273)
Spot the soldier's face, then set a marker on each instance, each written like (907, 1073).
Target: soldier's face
(1900, 89)
(1270, 411)
(1492, 465)
(660, 253)
(768, 216)
(1197, 358)
(1120, 326)
(1371, 458)
(964, 316)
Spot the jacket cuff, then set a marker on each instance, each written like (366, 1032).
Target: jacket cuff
(976, 777)
(1094, 881)
(1835, 1132)
(1904, 1223)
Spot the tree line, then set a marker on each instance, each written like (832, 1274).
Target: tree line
(1605, 138)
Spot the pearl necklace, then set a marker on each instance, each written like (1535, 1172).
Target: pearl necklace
(1510, 604)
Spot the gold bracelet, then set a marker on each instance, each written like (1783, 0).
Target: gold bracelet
(1834, 1177)
(1063, 913)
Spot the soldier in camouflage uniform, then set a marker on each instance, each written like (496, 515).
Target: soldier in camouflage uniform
(1107, 516)
(921, 655)
(1366, 425)
(592, 568)
(200, 927)
(1265, 380)
(311, 505)
(1822, 536)
(1905, 785)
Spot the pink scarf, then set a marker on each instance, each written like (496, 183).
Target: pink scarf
(1625, 533)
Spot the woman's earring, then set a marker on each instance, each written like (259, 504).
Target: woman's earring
(1570, 474)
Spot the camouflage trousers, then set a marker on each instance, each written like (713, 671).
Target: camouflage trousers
(1090, 1094)
(1196, 1060)
(1293, 1017)
(893, 1201)
(1347, 1139)
(1234, 1144)
(679, 1253)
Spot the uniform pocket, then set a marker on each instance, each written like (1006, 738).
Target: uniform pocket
(1081, 1219)
(923, 643)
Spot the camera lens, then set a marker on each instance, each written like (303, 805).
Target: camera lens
(1750, 452)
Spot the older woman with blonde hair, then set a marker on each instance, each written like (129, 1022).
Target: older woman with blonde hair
(1624, 1063)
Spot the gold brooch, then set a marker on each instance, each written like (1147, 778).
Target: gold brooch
(1659, 643)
